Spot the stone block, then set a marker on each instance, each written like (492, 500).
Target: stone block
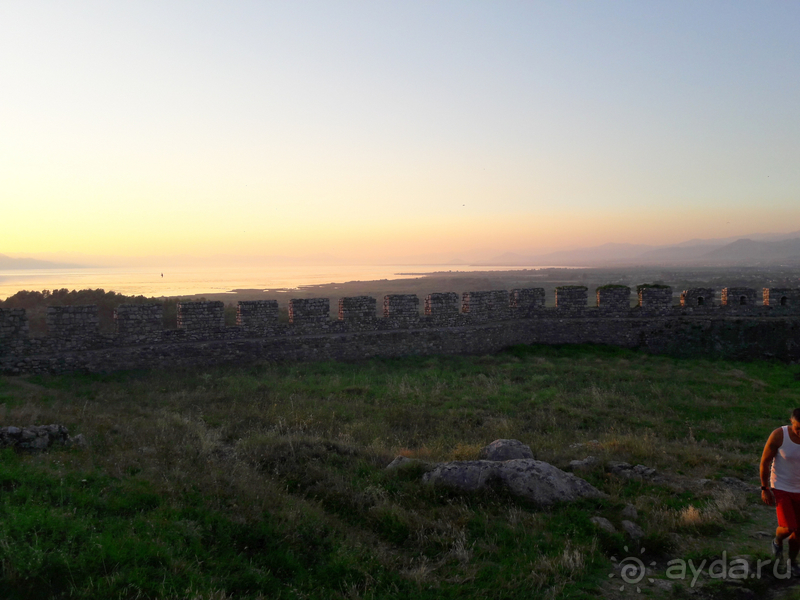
(401, 306)
(528, 299)
(494, 305)
(654, 297)
(257, 314)
(357, 308)
(571, 298)
(78, 323)
(201, 316)
(138, 319)
(304, 311)
(614, 298)
(14, 328)
(442, 304)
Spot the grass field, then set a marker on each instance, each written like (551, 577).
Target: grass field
(268, 481)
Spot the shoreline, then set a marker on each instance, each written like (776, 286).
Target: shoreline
(462, 281)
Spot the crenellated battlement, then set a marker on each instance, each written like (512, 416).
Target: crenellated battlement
(309, 311)
(77, 324)
(697, 298)
(523, 301)
(442, 305)
(357, 308)
(782, 298)
(485, 306)
(14, 329)
(655, 299)
(257, 314)
(614, 298)
(738, 297)
(201, 316)
(401, 306)
(139, 322)
(476, 322)
(571, 298)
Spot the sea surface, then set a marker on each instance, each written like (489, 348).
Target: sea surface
(212, 280)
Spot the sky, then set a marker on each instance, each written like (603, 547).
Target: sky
(378, 130)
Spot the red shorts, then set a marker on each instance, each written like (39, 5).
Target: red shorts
(787, 505)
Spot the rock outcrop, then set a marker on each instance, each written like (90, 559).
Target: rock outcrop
(543, 483)
(511, 466)
(633, 530)
(626, 470)
(37, 437)
(467, 475)
(583, 465)
(603, 524)
(505, 450)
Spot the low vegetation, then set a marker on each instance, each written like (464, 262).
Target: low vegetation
(268, 481)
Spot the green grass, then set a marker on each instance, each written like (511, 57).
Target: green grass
(268, 481)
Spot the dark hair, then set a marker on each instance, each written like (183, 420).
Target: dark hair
(796, 414)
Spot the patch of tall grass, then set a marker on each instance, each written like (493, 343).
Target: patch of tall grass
(268, 481)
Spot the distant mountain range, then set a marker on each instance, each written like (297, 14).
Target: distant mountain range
(757, 250)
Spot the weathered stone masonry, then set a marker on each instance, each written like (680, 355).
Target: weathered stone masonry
(655, 300)
(357, 308)
(571, 298)
(781, 297)
(485, 322)
(201, 316)
(485, 306)
(527, 300)
(139, 322)
(309, 311)
(614, 298)
(257, 314)
(13, 327)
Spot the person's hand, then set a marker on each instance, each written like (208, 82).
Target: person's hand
(768, 497)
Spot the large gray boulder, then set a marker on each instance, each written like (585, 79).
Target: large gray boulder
(505, 450)
(531, 479)
(468, 475)
(543, 483)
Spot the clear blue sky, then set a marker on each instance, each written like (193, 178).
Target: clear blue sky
(394, 127)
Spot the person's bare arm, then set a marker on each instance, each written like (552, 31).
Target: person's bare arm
(770, 451)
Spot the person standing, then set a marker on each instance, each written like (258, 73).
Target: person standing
(780, 486)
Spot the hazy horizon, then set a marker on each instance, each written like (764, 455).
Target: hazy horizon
(454, 258)
(382, 133)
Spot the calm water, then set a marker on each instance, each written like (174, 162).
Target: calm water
(149, 282)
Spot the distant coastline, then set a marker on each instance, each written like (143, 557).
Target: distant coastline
(216, 281)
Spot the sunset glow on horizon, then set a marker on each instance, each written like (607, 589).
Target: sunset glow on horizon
(371, 130)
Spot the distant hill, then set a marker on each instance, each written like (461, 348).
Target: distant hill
(8, 263)
(750, 252)
(607, 253)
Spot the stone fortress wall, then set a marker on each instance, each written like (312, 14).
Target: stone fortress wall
(736, 325)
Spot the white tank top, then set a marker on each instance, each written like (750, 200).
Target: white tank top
(785, 473)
